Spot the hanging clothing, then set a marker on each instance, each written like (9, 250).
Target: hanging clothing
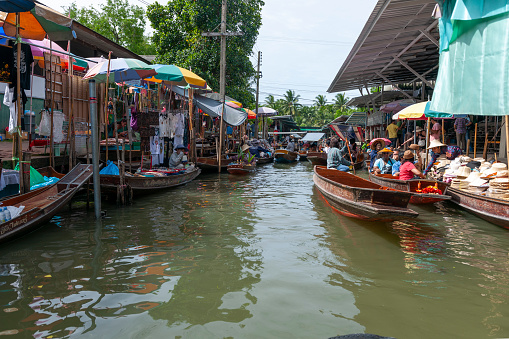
(164, 125)
(155, 147)
(58, 123)
(13, 118)
(134, 119)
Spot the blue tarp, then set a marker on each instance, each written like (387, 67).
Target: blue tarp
(110, 169)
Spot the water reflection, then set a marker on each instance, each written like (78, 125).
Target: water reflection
(150, 258)
(440, 269)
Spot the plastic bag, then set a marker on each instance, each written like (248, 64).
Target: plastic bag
(110, 169)
(35, 177)
(45, 125)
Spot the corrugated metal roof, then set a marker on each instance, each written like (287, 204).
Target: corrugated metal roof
(398, 29)
(365, 100)
(357, 119)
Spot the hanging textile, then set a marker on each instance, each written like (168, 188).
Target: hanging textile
(473, 75)
(58, 123)
(13, 117)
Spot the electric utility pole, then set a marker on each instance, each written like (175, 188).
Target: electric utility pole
(222, 74)
(258, 76)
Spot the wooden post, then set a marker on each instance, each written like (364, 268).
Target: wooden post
(507, 137)
(192, 140)
(485, 151)
(475, 140)
(17, 138)
(25, 164)
(52, 86)
(106, 98)
(427, 144)
(350, 154)
(443, 133)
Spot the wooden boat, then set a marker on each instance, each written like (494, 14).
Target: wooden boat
(50, 172)
(241, 169)
(303, 155)
(358, 198)
(285, 156)
(209, 164)
(360, 162)
(264, 160)
(42, 204)
(493, 210)
(147, 184)
(412, 186)
(317, 158)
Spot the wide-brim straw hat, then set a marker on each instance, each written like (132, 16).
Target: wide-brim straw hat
(502, 174)
(418, 129)
(376, 142)
(473, 176)
(435, 143)
(463, 172)
(481, 160)
(414, 147)
(385, 150)
(244, 148)
(408, 155)
(499, 166)
(478, 182)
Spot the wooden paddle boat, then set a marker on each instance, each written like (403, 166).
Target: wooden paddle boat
(209, 164)
(358, 198)
(415, 186)
(241, 169)
(317, 158)
(303, 155)
(285, 156)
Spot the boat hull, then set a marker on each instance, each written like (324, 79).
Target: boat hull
(411, 186)
(42, 204)
(493, 210)
(146, 185)
(284, 156)
(239, 169)
(209, 164)
(303, 156)
(262, 161)
(317, 158)
(355, 197)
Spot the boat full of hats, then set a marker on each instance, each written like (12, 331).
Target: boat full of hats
(480, 187)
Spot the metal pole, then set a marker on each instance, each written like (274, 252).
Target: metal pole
(95, 148)
(257, 92)
(18, 138)
(222, 80)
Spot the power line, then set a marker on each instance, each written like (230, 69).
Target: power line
(306, 41)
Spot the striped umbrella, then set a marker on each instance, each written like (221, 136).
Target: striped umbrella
(121, 69)
(175, 75)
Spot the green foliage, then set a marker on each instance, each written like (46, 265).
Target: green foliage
(179, 25)
(119, 21)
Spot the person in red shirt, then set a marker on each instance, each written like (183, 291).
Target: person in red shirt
(407, 169)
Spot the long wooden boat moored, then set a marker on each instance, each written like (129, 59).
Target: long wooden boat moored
(147, 184)
(264, 160)
(412, 186)
(209, 164)
(285, 156)
(241, 169)
(317, 158)
(42, 204)
(493, 210)
(358, 198)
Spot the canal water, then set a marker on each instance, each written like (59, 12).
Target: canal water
(261, 256)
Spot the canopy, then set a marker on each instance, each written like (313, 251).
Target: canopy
(421, 111)
(313, 137)
(396, 106)
(266, 111)
(13, 6)
(214, 108)
(177, 76)
(121, 69)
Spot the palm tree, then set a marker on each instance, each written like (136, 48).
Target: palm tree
(340, 101)
(320, 101)
(270, 101)
(291, 102)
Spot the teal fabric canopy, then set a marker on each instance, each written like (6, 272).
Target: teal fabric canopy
(473, 71)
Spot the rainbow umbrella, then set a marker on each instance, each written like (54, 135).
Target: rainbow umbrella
(250, 113)
(121, 69)
(175, 75)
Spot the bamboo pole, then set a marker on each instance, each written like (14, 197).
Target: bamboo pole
(443, 133)
(18, 139)
(350, 154)
(192, 143)
(475, 140)
(31, 107)
(52, 86)
(106, 98)
(427, 144)
(71, 108)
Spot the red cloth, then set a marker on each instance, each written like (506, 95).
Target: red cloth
(39, 142)
(405, 171)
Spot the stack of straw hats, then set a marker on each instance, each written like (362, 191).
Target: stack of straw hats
(499, 188)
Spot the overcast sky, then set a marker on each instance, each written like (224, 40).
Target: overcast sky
(303, 43)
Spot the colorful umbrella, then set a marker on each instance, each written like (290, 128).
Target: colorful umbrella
(250, 113)
(37, 23)
(121, 69)
(421, 111)
(13, 6)
(233, 104)
(177, 76)
(266, 111)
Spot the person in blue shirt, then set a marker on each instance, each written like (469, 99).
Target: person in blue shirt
(335, 157)
(384, 164)
(376, 146)
(395, 166)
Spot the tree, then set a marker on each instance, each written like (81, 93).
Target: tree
(320, 100)
(291, 103)
(178, 39)
(117, 20)
(340, 101)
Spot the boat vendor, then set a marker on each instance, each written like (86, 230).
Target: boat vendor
(397, 164)
(384, 164)
(335, 157)
(376, 146)
(255, 148)
(291, 145)
(407, 169)
(437, 148)
(353, 149)
(177, 156)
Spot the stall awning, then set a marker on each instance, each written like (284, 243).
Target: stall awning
(213, 108)
(313, 137)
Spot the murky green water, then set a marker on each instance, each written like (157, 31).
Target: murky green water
(256, 257)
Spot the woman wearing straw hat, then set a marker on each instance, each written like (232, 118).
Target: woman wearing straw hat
(376, 146)
(407, 169)
(438, 148)
(384, 164)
